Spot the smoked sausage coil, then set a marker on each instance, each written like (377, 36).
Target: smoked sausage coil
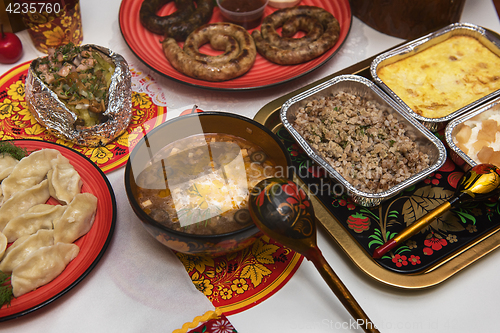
(158, 24)
(279, 52)
(237, 60)
(201, 15)
(289, 27)
(179, 24)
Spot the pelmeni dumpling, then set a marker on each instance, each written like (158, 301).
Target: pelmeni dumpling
(3, 244)
(19, 241)
(19, 250)
(7, 164)
(42, 266)
(30, 171)
(23, 200)
(64, 182)
(38, 217)
(77, 218)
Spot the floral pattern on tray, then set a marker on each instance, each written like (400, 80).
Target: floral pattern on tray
(240, 280)
(18, 123)
(372, 227)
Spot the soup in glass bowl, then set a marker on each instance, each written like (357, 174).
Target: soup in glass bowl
(189, 180)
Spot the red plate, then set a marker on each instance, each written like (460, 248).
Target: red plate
(264, 73)
(92, 245)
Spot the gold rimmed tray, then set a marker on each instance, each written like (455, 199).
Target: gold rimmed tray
(433, 274)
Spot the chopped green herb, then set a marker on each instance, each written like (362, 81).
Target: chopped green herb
(6, 295)
(7, 147)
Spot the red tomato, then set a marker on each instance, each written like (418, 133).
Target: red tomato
(11, 48)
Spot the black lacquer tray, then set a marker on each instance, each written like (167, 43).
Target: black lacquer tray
(372, 227)
(449, 244)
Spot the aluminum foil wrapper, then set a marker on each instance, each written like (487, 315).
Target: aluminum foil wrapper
(360, 86)
(51, 112)
(422, 43)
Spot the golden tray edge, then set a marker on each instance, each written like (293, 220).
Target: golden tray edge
(268, 116)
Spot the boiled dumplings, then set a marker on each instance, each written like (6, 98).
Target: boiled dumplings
(77, 218)
(7, 163)
(3, 244)
(30, 171)
(41, 234)
(64, 182)
(42, 266)
(23, 200)
(18, 251)
(37, 217)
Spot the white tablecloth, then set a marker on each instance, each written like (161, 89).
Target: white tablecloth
(139, 286)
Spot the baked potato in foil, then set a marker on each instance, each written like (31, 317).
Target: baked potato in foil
(61, 91)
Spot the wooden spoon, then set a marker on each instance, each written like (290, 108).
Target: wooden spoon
(284, 212)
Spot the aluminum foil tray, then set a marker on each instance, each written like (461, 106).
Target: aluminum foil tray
(480, 113)
(491, 41)
(361, 86)
(51, 112)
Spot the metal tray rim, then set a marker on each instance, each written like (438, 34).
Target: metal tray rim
(268, 115)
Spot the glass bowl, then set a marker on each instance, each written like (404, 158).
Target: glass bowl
(189, 187)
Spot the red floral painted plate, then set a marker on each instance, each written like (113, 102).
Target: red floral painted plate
(92, 245)
(146, 46)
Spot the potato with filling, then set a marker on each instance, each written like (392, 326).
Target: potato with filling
(82, 94)
(81, 80)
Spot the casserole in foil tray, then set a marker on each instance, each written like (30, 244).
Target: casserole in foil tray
(368, 97)
(443, 74)
(472, 137)
(48, 109)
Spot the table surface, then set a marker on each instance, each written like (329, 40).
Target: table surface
(103, 302)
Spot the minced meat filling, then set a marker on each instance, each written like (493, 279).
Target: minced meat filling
(363, 142)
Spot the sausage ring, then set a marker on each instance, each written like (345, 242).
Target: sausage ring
(201, 15)
(179, 24)
(238, 58)
(289, 27)
(158, 24)
(286, 51)
(224, 43)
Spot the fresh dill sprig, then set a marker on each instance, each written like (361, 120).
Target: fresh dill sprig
(6, 294)
(7, 147)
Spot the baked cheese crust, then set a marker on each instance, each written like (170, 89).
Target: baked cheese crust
(445, 77)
